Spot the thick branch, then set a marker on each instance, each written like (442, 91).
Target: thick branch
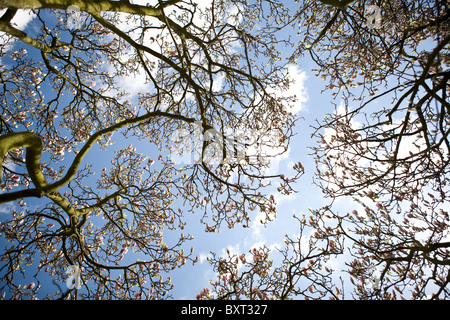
(338, 4)
(33, 143)
(88, 6)
(96, 136)
(8, 15)
(5, 26)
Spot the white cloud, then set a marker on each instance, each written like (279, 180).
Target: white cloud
(22, 18)
(203, 257)
(269, 140)
(232, 249)
(134, 83)
(20, 21)
(256, 226)
(7, 208)
(297, 88)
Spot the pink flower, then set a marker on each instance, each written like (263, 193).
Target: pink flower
(31, 285)
(258, 293)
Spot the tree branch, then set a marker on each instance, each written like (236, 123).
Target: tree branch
(338, 4)
(33, 143)
(88, 6)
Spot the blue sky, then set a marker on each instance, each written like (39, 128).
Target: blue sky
(312, 105)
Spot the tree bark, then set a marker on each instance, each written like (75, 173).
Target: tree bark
(33, 143)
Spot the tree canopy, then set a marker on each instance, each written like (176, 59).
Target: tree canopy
(385, 146)
(63, 94)
(162, 73)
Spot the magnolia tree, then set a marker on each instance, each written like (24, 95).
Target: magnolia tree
(86, 74)
(213, 93)
(386, 148)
